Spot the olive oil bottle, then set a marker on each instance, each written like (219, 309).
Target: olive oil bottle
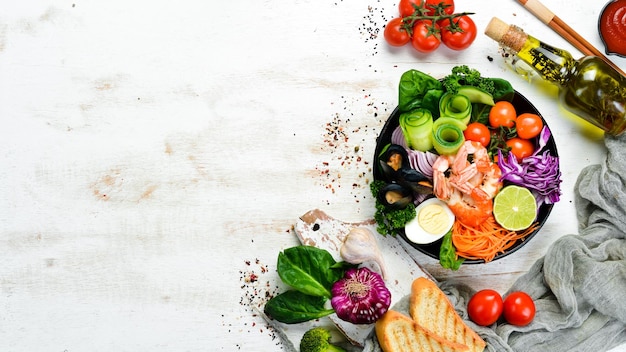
(589, 87)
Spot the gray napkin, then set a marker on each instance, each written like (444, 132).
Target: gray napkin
(579, 286)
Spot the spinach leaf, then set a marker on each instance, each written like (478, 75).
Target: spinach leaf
(344, 266)
(480, 113)
(503, 90)
(413, 87)
(292, 307)
(447, 254)
(431, 102)
(309, 270)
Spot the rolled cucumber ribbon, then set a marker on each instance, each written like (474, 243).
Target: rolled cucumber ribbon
(416, 126)
(457, 106)
(447, 135)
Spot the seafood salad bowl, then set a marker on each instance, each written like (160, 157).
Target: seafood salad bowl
(465, 184)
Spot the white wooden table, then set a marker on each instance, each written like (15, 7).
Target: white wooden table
(155, 154)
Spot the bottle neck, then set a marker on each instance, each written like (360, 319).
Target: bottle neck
(553, 64)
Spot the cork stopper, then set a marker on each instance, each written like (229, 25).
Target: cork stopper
(506, 35)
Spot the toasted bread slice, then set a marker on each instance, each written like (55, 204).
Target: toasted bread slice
(397, 332)
(430, 308)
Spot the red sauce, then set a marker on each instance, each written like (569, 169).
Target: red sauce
(612, 27)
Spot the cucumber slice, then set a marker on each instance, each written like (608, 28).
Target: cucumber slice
(457, 106)
(447, 138)
(477, 95)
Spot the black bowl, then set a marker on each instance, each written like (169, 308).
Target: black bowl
(522, 105)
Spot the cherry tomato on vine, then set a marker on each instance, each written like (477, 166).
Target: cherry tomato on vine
(478, 132)
(424, 40)
(519, 308)
(448, 4)
(521, 148)
(395, 34)
(485, 307)
(502, 114)
(528, 125)
(458, 40)
(406, 7)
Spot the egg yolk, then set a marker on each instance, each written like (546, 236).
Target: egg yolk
(433, 219)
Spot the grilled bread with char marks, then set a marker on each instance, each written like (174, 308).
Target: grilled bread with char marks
(430, 308)
(397, 332)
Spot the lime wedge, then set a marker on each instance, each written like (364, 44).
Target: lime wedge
(515, 208)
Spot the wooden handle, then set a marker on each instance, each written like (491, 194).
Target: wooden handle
(579, 42)
(539, 10)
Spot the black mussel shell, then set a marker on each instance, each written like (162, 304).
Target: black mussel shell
(395, 196)
(415, 180)
(393, 159)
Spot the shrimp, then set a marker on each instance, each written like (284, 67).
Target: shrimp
(471, 209)
(467, 182)
(441, 185)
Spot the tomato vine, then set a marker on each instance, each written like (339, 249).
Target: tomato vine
(425, 24)
(409, 22)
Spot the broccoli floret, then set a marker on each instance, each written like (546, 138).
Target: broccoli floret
(464, 75)
(318, 340)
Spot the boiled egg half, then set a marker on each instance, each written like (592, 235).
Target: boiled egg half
(432, 221)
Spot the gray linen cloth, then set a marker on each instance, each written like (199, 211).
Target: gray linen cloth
(579, 286)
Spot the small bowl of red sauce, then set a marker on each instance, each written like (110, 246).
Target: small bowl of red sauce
(612, 27)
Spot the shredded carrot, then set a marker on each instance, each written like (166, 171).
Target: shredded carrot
(486, 240)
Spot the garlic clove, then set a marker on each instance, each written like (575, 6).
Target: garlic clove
(360, 246)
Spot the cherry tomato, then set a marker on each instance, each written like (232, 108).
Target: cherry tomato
(406, 7)
(485, 307)
(519, 308)
(424, 40)
(478, 132)
(447, 4)
(521, 148)
(395, 34)
(528, 125)
(458, 40)
(502, 114)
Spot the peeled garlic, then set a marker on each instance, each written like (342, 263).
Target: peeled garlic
(360, 246)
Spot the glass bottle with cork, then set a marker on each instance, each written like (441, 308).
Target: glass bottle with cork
(589, 87)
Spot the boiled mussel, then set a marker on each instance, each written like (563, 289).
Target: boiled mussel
(392, 159)
(415, 180)
(396, 168)
(395, 196)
